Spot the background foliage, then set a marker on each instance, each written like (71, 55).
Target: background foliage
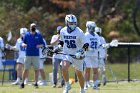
(115, 17)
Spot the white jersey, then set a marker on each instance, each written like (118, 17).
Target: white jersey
(1, 46)
(94, 44)
(54, 38)
(72, 41)
(102, 51)
(21, 50)
(40, 49)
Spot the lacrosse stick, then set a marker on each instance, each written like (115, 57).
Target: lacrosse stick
(112, 73)
(46, 50)
(113, 43)
(9, 37)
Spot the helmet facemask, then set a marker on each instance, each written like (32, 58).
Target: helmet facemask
(91, 29)
(71, 25)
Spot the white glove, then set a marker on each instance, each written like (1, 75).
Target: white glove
(7, 46)
(80, 54)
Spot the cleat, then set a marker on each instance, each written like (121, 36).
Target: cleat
(22, 85)
(67, 88)
(82, 91)
(16, 83)
(36, 85)
(54, 85)
(43, 84)
(85, 87)
(95, 88)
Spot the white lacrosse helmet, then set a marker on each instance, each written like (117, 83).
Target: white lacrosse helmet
(71, 21)
(23, 31)
(98, 30)
(90, 26)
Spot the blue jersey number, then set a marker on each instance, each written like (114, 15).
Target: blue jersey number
(70, 43)
(94, 44)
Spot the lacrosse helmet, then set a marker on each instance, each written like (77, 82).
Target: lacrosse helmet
(90, 26)
(23, 31)
(71, 22)
(98, 30)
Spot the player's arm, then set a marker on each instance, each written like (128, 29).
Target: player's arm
(2, 45)
(54, 40)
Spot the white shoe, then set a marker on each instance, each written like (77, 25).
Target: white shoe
(67, 88)
(82, 91)
(95, 87)
(40, 81)
(16, 83)
(25, 82)
(85, 87)
(43, 84)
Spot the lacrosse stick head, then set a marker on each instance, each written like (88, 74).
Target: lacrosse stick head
(46, 50)
(114, 43)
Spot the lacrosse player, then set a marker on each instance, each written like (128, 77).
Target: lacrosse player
(102, 54)
(21, 55)
(74, 42)
(57, 58)
(1, 52)
(43, 82)
(32, 41)
(91, 56)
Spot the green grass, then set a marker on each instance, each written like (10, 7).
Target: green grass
(119, 70)
(122, 87)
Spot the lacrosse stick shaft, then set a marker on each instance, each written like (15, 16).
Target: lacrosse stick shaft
(113, 75)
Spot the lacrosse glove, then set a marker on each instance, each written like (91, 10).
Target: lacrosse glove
(80, 54)
(58, 49)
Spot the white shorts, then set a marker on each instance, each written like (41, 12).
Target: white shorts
(21, 60)
(41, 63)
(77, 64)
(91, 62)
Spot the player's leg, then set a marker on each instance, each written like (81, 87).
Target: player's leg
(65, 66)
(79, 69)
(55, 71)
(19, 69)
(81, 80)
(87, 71)
(102, 68)
(62, 79)
(87, 77)
(27, 66)
(95, 65)
(35, 62)
(42, 72)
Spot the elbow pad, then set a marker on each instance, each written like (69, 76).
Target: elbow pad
(61, 43)
(85, 46)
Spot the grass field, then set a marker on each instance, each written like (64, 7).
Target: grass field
(121, 87)
(119, 70)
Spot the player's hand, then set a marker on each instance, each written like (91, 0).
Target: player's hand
(38, 46)
(58, 49)
(24, 45)
(8, 46)
(80, 54)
